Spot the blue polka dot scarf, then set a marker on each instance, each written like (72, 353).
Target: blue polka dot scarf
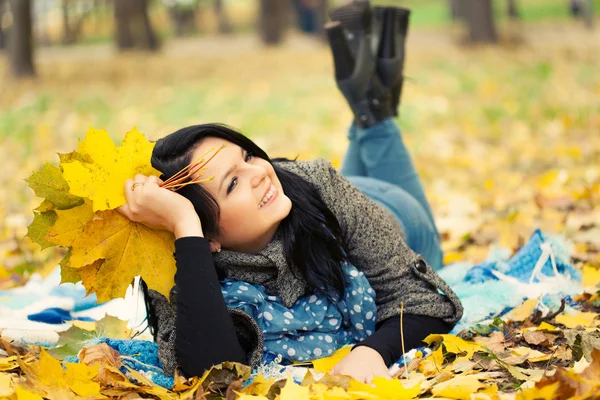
(314, 326)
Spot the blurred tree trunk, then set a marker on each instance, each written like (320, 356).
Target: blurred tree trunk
(274, 19)
(513, 9)
(184, 18)
(224, 24)
(70, 32)
(132, 24)
(457, 9)
(2, 33)
(21, 39)
(587, 10)
(479, 18)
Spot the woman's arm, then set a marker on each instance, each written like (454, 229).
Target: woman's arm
(395, 272)
(387, 340)
(205, 333)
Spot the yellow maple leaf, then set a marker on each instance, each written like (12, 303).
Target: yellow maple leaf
(459, 387)
(591, 276)
(259, 386)
(70, 224)
(128, 249)
(293, 391)
(244, 396)
(432, 365)
(325, 364)
(24, 394)
(336, 393)
(103, 180)
(48, 375)
(521, 313)
(454, 344)
(534, 393)
(383, 388)
(79, 379)
(577, 318)
(6, 386)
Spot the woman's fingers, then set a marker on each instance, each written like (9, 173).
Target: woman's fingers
(125, 210)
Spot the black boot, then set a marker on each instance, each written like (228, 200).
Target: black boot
(391, 50)
(352, 40)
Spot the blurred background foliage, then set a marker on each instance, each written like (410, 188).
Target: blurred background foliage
(502, 117)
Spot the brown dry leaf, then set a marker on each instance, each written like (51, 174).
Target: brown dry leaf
(101, 354)
(538, 338)
(496, 341)
(459, 387)
(313, 376)
(531, 355)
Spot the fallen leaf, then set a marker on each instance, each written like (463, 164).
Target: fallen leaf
(537, 338)
(259, 386)
(293, 391)
(113, 327)
(79, 379)
(532, 355)
(577, 318)
(536, 393)
(70, 342)
(459, 387)
(24, 394)
(591, 276)
(8, 363)
(391, 389)
(454, 344)
(6, 386)
(432, 365)
(101, 354)
(521, 313)
(326, 364)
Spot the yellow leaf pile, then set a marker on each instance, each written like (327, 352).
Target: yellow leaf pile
(106, 249)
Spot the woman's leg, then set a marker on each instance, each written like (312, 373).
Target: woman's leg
(379, 152)
(420, 233)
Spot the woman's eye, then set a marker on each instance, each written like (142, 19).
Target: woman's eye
(247, 157)
(231, 185)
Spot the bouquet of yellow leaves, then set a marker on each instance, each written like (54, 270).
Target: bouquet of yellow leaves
(105, 249)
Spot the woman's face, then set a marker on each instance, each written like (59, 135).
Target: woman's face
(249, 194)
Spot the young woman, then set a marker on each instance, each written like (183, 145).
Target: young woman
(304, 259)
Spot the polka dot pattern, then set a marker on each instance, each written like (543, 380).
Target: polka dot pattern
(314, 326)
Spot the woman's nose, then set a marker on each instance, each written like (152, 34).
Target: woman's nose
(258, 174)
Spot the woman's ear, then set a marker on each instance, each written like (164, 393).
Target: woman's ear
(215, 247)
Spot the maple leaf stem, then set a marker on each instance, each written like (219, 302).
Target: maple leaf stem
(179, 186)
(174, 183)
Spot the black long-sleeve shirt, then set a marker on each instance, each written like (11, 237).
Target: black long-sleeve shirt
(206, 334)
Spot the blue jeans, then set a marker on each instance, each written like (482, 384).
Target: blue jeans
(377, 162)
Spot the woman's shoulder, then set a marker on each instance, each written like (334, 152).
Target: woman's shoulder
(312, 170)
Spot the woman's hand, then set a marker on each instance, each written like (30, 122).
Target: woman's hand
(363, 364)
(159, 208)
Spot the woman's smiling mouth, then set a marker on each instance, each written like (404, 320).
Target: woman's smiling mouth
(268, 197)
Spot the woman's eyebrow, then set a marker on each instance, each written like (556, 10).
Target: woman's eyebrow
(230, 170)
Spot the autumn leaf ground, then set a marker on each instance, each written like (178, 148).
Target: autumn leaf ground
(506, 138)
